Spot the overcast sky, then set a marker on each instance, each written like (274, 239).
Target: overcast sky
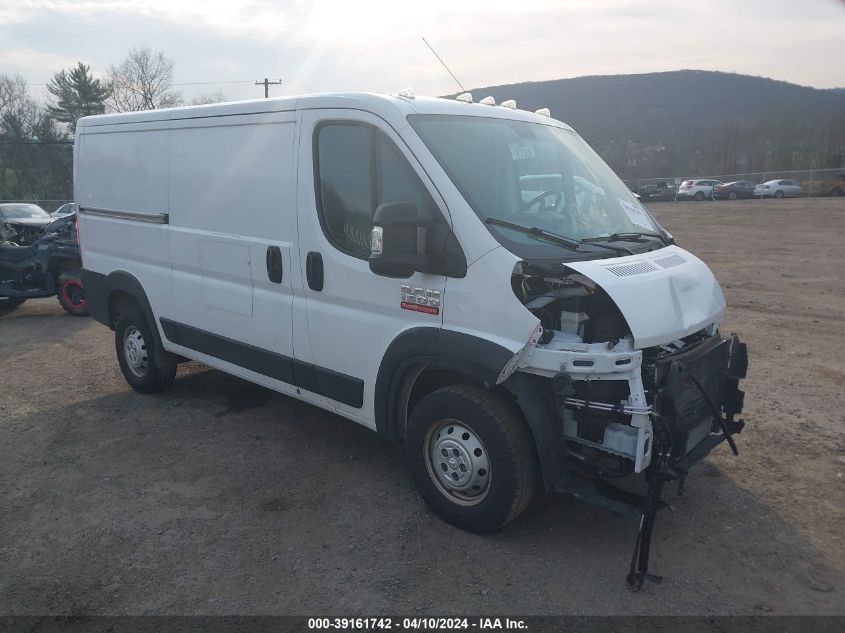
(375, 44)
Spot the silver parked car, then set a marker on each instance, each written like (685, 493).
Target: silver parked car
(67, 208)
(779, 189)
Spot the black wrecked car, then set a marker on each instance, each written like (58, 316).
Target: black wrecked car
(27, 220)
(50, 266)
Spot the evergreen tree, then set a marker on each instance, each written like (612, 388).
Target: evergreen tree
(77, 95)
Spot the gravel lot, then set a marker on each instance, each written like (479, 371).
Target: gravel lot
(221, 497)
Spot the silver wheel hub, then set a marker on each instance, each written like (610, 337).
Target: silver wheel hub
(457, 462)
(135, 351)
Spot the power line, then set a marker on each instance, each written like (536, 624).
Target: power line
(207, 83)
(212, 83)
(184, 83)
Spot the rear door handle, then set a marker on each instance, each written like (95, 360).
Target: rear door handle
(314, 270)
(274, 264)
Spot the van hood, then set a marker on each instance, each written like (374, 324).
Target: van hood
(664, 295)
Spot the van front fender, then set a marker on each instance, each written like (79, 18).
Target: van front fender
(437, 348)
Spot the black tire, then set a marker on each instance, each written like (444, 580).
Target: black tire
(71, 294)
(145, 366)
(512, 463)
(732, 195)
(835, 192)
(7, 304)
(699, 195)
(778, 194)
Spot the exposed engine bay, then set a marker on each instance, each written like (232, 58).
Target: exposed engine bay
(625, 409)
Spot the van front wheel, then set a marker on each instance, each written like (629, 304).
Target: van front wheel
(146, 367)
(471, 457)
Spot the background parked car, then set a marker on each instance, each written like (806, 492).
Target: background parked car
(66, 209)
(734, 190)
(780, 189)
(832, 186)
(697, 189)
(657, 191)
(27, 220)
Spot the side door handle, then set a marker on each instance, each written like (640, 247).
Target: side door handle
(274, 264)
(314, 270)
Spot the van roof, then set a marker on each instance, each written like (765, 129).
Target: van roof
(386, 105)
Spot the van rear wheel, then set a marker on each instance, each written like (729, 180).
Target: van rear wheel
(471, 457)
(145, 366)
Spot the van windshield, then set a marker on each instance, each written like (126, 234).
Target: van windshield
(532, 175)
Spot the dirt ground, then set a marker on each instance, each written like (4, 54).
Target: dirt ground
(220, 497)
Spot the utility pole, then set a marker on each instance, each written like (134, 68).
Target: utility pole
(267, 83)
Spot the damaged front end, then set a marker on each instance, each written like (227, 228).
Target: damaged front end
(622, 407)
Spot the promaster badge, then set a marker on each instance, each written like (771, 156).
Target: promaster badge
(420, 300)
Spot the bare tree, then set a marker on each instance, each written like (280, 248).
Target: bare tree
(211, 97)
(35, 158)
(13, 93)
(143, 81)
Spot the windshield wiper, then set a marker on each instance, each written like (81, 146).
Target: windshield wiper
(536, 231)
(554, 238)
(627, 237)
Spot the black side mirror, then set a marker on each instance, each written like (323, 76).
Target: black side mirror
(394, 240)
(402, 243)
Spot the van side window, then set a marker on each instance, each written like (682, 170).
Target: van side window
(357, 167)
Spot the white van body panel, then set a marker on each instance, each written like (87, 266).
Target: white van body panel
(483, 304)
(663, 295)
(224, 214)
(135, 158)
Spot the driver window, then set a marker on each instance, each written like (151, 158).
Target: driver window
(357, 168)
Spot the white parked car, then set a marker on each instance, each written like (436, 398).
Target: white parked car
(697, 189)
(779, 189)
(67, 208)
(471, 280)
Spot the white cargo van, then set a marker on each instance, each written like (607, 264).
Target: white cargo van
(469, 279)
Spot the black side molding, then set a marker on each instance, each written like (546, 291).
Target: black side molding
(320, 380)
(97, 292)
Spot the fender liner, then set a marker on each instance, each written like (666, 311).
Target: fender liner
(99, 288)
(436, 347)
(536, 399)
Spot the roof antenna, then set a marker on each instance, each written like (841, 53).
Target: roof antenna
(444, 64)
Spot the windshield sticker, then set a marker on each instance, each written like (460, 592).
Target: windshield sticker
(636, 214)
(522, 151)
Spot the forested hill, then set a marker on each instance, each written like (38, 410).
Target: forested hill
(692, 120)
